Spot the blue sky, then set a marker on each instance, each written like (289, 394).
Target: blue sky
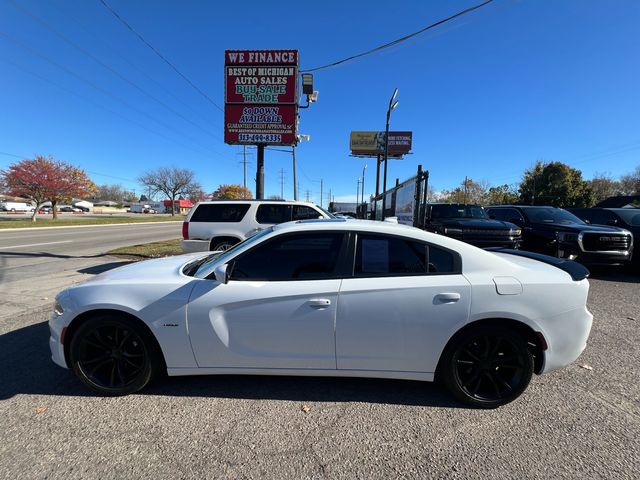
(485, 95)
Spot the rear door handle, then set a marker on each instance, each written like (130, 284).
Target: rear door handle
(319, 302)
(446, 297)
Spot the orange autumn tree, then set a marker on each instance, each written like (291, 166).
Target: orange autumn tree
(43, 179)
(231, 192)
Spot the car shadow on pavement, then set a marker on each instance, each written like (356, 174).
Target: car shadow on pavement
(47, 255)
(97, 269)
(29, 370)
(614, 275)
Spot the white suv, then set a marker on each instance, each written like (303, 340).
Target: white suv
(220, 224)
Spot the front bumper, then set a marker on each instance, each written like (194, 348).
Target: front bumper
(56, 327)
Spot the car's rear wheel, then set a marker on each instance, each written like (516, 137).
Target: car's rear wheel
(222, 244)
(487, 366)
(113, 355)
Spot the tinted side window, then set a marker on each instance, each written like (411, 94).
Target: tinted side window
(301, 212)
(308, 256)
(441, 261)
(220, 213)
(496, 213)
(379, 255)
(275, 213)
(510, 214)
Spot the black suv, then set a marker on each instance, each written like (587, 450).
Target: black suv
(627, 218)
(471, 224)
(554, 231)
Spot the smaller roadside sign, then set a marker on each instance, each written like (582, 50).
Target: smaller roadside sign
(371, 143)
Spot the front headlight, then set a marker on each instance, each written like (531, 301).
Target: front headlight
(566, 237)
(452, 231)
(516, 232)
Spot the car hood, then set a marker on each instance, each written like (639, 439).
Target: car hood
(479, 223)
(576, 228)
(148, 271)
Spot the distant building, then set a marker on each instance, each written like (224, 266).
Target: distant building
(181, 207)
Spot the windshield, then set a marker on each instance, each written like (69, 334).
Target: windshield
(457, 211)
(551, 215)
(329, 214)
(630, 215)
(204, 267)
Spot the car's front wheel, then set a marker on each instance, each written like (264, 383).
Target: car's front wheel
(113, 355)
(487, 366)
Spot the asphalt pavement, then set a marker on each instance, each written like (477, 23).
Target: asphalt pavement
(36, 263)
(579, 422)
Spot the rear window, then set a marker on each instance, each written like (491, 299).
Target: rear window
(208, 212)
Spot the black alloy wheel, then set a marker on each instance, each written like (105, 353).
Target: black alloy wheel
(113, 356)
(488, 367)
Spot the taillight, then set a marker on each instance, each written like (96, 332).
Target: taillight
(185, 230)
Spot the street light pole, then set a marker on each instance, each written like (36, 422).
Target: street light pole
(392, 106)
(362, 203)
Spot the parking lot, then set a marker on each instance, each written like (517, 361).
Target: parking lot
(580, 422)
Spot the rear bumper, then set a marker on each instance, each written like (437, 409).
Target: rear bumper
(192, 246)
(566, 336)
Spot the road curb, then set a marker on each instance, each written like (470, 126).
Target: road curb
(21, 229)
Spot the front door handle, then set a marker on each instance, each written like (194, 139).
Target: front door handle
(319, 302)
(446, 298)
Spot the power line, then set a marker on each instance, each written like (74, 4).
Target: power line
(118, 52)
(100, 89)
(126, 24)
(399, 40)
(87, 53)
(76, 94)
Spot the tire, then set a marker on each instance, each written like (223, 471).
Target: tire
(222, 245)
(487, 366)
(113, 355)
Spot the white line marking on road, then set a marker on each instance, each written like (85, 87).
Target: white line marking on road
(34, 245)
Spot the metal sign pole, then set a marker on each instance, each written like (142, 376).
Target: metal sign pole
(260, 174)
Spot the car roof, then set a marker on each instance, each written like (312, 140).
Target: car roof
(524, 207)
(374, 226)
(252, 200)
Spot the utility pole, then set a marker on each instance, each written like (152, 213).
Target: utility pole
(321, 185)
(295, 185)
(329, 200)
(260, 174)
(282, 183)
(308, 193)
(244, 168)
(357, 195)
(465, 190)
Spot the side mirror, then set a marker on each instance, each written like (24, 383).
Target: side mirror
(220, 272)
(492, 217)
(612, 222)
(517, 221)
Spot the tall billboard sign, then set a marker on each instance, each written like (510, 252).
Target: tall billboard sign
(261, 97)
(371, 144)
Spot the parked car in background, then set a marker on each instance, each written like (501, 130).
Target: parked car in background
(471, 224)
(220, 224)
(557, 232)
(627, 218)
(67, 209)
(16, 207)
(330, 298)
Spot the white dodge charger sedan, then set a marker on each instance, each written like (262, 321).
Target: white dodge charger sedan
(330, 298)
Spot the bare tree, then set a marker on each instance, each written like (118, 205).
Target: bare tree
(170, 181)
(630, 183)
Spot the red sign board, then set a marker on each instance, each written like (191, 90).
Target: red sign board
(261, 84)
(260, 124)
(261, 97)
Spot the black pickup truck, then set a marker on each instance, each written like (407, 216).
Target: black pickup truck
(554, 231)
(471, 224)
